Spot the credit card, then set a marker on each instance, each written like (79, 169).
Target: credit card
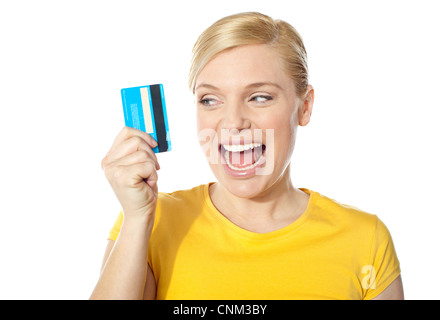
(144, 109)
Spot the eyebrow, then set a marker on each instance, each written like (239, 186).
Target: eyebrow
(206, 85)
(249, 86)
(262, 84)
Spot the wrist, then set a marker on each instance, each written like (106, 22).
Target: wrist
(138, 222)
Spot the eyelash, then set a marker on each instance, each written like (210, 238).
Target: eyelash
(267, 98)
(206, 102)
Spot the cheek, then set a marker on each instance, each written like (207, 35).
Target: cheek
(200, 122)
(283, 126)
(284, 135)
(205, 121)
(207, 137)
(202, 130)
(205, 128)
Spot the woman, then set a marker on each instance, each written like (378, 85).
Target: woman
(252, 234)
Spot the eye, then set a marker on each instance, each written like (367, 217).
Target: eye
(209, 102)
(261, 98)
(206, 102)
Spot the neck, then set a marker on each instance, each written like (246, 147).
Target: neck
(278, 206)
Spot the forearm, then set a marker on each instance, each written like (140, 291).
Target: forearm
(124, 274)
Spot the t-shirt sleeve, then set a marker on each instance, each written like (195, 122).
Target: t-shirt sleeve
(114, 232)
(384, 267)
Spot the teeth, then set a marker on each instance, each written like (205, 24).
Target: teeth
(241, 147)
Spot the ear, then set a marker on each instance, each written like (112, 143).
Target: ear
(305, 112)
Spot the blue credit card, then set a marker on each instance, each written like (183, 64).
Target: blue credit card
(144, 109)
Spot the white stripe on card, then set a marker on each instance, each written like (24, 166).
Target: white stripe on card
(147, 110)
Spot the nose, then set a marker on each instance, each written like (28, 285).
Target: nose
(235, 117)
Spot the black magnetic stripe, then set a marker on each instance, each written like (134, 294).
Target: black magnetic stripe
(161, 132)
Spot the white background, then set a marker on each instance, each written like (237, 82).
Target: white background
(372, 141)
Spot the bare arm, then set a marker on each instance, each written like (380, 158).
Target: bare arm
(130, 166)
(150, 282)
(393, 292)
(124, 273)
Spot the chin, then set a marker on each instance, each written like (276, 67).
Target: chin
(244, 189)
(247, 187)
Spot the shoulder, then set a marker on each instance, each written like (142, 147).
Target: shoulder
(361, 231)
(178, 206)
(366, 239)
(345, 219)
(176, 213)
(179, 198)
(332, 209)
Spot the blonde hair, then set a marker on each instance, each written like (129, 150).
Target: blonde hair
(252, 28)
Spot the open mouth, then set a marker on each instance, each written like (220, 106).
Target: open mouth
(243, 157)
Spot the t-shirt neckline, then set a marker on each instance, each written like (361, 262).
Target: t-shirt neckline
(254, 235)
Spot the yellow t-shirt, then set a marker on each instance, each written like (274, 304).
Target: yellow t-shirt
(332, 251)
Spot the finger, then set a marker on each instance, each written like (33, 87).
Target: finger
(130, 175)
(153, 156)
(123, 148)
(152, 179)
(127, 133)
(145, 171)
(140, 156)
(129, 146)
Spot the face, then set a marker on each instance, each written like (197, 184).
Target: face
(247, 116)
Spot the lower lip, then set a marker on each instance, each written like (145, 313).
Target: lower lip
(243, 173)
